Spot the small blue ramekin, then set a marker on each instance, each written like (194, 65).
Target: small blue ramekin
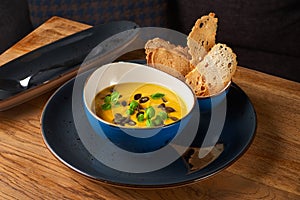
(206, 104)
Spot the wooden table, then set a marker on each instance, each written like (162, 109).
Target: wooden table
(270, 169)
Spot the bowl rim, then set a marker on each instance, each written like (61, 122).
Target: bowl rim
(133, 127)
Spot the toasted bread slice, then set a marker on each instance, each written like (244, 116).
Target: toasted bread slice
(196, 81)
(156, 43)
(167, 57)
(215, 63)
(218, 67)
(202, 37)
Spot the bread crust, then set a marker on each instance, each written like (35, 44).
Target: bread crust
(202, 37)
(169, 58)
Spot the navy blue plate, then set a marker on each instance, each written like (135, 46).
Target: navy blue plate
(62, 139)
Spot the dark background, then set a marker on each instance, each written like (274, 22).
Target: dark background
(263, 33)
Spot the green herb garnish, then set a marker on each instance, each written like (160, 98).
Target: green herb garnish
(114, 97)
(130, 111)
(158, 121)
(157, 95)
(133, 105)
(106, 106)
(149, 123)
(163, 115)
(117, 104)
(111, 99)
(107, 99)
(150, 112)
(140, 117)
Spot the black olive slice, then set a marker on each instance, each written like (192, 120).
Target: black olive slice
(144, 99)
(174, 118)
(169, 109)
(137, 96)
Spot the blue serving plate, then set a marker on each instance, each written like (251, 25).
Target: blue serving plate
(62, 138)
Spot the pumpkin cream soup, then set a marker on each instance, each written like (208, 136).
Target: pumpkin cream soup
(139, 105)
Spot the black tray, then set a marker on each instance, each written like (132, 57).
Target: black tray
(69, 52)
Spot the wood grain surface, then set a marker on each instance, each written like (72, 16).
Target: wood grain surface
(270, 169)
(53, 29)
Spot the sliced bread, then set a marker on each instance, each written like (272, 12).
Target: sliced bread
(167, 57)
(202, 37)
(196, 81)
(218, 67)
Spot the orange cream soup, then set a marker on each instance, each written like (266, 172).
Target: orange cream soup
(115, 103)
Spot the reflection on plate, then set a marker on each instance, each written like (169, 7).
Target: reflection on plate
(61, 137)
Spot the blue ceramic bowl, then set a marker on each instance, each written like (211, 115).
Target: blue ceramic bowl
(206, 104)
(135, 139)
